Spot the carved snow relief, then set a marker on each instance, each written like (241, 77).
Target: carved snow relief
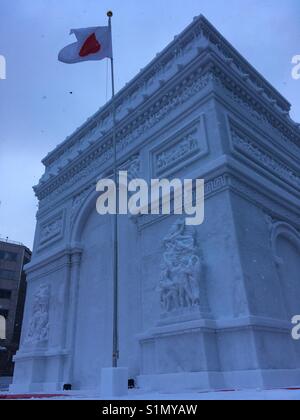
(246, 146)
(51, 230)
(133, 168)
(183, 148)
(90, 164)
(183, 50)
(38, 330)
(181, 282)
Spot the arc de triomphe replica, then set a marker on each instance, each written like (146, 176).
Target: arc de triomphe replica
(198, 110)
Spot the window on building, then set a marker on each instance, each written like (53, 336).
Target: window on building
(5, 294)
(8, 256)
(26, 260)
(7, 275)
(4, 312)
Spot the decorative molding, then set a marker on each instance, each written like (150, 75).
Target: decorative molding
(246, 146)
(52, 229)
(92, 162)
(256, 195)
(265, 103)
(211, 187)
(180, 149)
(86, 152)
(78, 201)
(183, 149)
(197, 37)
(254, 106)
(175, 97)
(132, 166)
(53, 262)
(270, 221)
(103, 153)
(240, 66)
(150, 78)
(38, 330)
(281, 229)
(215, 185)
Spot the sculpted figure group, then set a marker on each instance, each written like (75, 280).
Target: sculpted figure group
(181, 269)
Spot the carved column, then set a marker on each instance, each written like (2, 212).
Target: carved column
(75, 263)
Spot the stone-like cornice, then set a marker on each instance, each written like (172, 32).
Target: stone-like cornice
(208, 53)
(237, 61)
(200, 28)
(127, 132)
(258, 104)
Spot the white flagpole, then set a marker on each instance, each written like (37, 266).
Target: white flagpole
(115, 354)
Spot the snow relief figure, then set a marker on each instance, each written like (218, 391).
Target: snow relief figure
(181, 270)
(38, 330)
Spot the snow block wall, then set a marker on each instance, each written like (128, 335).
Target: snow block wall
(208, 307)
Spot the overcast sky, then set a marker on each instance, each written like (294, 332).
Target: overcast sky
(37, 110)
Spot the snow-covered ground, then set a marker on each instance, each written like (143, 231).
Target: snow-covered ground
(293, 395)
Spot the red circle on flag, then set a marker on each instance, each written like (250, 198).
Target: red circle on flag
(90, 46)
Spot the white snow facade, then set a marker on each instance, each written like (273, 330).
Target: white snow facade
(200, 308)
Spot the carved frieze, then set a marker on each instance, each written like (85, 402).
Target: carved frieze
(104, 152)
(286, 131)
(38, 330)
(249, 148)
(184, 47)
(184, 148)
(180, 149)
(51, 230)
(91, 146)
(215, 185)
(133, 168)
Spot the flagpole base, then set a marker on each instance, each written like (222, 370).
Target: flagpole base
(114, 382)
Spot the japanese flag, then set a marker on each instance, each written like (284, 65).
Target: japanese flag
(92, 44)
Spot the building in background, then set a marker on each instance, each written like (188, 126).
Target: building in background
(13, 257)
